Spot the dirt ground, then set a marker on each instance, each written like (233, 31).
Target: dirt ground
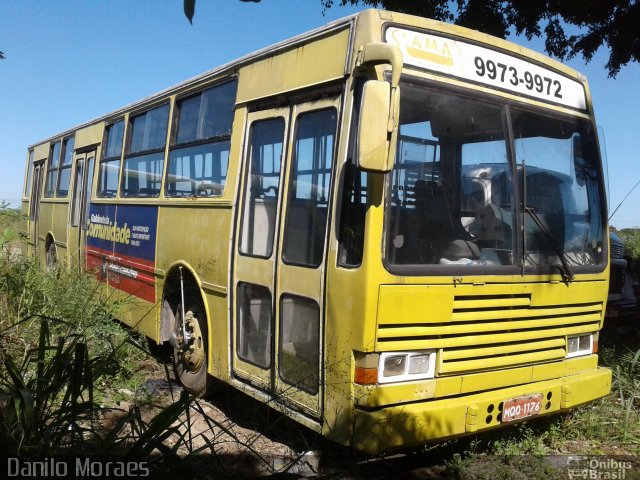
(234, 436)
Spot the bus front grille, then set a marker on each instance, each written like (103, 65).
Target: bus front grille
(493, 332)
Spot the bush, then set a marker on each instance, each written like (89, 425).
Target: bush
(631, 239)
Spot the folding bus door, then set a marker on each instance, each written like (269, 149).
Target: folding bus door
(255, 247)
(280, 253)
(302, 255)
(79, 211)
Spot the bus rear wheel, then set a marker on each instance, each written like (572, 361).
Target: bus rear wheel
(51, 257)
(190, 356)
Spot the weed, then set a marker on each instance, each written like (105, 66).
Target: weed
(522, 440)
(493, 467)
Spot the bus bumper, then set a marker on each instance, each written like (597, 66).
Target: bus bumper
(417, 423)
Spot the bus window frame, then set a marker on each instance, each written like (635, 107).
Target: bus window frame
(346, 189)
(62, 166)
(292, 168)
(216, 139)
(516, 268)
(175, 120)
(588, 123)
(246, 174)
(128, 155)
(105, 138)
(26, 191)
(51, 194)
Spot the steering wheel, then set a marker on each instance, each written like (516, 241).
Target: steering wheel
(207, 189)
(268, 189)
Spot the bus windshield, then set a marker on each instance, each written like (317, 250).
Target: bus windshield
(452, 199)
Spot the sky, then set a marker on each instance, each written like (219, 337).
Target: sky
(70, 61)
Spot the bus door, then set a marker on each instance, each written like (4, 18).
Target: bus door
(34, 203)
(280, 252)
(79, 211)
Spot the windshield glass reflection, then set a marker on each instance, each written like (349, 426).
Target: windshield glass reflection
(451, 198)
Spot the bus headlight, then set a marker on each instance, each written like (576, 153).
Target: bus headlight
(578, 345)
(406, 366)
(419, 364)
(394, 365)
(388, 367)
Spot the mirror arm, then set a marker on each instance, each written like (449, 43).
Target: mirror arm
(394, 110)
(375, 53)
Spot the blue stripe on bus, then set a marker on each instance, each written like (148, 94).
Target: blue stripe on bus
(124, 229)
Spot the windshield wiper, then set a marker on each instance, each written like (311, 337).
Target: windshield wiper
(565, 271)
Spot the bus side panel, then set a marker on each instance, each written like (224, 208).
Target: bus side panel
(44, 227)
(132, 267)
(121, 244)
(59, 219)
(310, 64)
(199, 237)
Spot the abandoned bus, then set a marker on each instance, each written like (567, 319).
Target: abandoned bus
(391, 229)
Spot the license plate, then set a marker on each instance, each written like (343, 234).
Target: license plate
(521, 407)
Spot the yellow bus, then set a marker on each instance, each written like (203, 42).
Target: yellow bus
(391, 229)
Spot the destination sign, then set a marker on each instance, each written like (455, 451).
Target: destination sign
(486, 66)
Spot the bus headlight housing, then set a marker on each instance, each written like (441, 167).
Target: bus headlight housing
(578, 345)
(392, 367)
(406, 366)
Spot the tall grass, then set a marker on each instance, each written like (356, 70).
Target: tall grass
(58, 342)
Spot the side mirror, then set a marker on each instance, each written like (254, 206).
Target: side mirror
(378, 126)
(379, 110)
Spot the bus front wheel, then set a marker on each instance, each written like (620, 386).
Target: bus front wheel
(190, 355)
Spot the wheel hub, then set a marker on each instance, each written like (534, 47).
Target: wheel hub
(192, 351)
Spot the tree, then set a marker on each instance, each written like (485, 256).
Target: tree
(591, 23)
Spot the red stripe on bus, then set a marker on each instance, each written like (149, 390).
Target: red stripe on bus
(130, 274)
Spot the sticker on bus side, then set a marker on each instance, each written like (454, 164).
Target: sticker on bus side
(121, 247)
(486, 66)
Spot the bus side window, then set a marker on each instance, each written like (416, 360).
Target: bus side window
(310, 180)
(77, 194)
(110, 164)
(199, 155)
(66, 159)
(262, 185)
(353, 206)
(300, 335)
(352, 216)
(254, 318)
(52, 170)
(144, 161)
(27, 185)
